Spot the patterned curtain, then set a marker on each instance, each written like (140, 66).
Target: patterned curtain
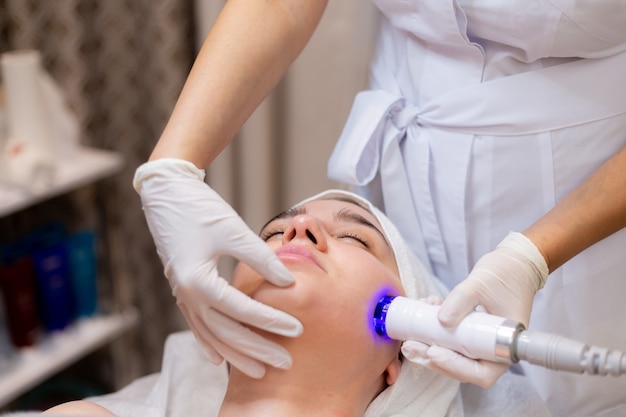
(121, 64)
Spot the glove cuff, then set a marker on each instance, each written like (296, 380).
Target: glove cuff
(167, 167)
(520, 243)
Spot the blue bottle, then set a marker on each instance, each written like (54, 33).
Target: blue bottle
(52, 271)
(83, 266)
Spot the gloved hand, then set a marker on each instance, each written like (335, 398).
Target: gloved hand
(503, 282)
(192, 226)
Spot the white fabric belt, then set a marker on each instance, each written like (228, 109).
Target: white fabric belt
(522, 104)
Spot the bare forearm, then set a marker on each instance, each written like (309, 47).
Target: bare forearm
(244, 56)
(593, 211)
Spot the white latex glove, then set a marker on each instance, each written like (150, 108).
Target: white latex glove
(503, 282)
(192, 227)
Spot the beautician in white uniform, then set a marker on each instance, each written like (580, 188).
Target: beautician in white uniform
(483, 118)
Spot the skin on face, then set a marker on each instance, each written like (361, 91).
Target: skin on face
(342, 264)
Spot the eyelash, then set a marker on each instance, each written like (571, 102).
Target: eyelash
(355, 237)
(268, 234)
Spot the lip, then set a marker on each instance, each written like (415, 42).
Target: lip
(298, 253)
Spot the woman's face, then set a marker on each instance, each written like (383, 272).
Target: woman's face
(342, 264)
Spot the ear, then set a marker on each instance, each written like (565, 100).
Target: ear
(393, 370)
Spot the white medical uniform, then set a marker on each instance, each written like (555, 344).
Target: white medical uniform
(481, 117)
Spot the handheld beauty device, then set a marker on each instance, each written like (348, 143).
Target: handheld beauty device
(484, 336)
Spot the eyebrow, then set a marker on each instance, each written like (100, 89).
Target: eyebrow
(344, 215)
(350, 216)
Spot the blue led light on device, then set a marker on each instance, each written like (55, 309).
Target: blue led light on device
(380, 315)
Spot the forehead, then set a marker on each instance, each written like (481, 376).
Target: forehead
(332, 205)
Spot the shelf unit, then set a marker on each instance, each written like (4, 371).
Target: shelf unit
(30, 366)
(89, 165)
(59, 350)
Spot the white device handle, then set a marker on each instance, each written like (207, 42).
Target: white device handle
(478, 336)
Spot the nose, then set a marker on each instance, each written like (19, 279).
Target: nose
(307, 228)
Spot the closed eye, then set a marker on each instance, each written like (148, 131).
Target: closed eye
(354, 236)
(271, 233)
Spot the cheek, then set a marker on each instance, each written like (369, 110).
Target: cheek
(367, 281)
(343, 328)
(363, 293)
(346, 311)
(245, 279)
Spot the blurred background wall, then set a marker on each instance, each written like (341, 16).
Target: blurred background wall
(122, 63)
